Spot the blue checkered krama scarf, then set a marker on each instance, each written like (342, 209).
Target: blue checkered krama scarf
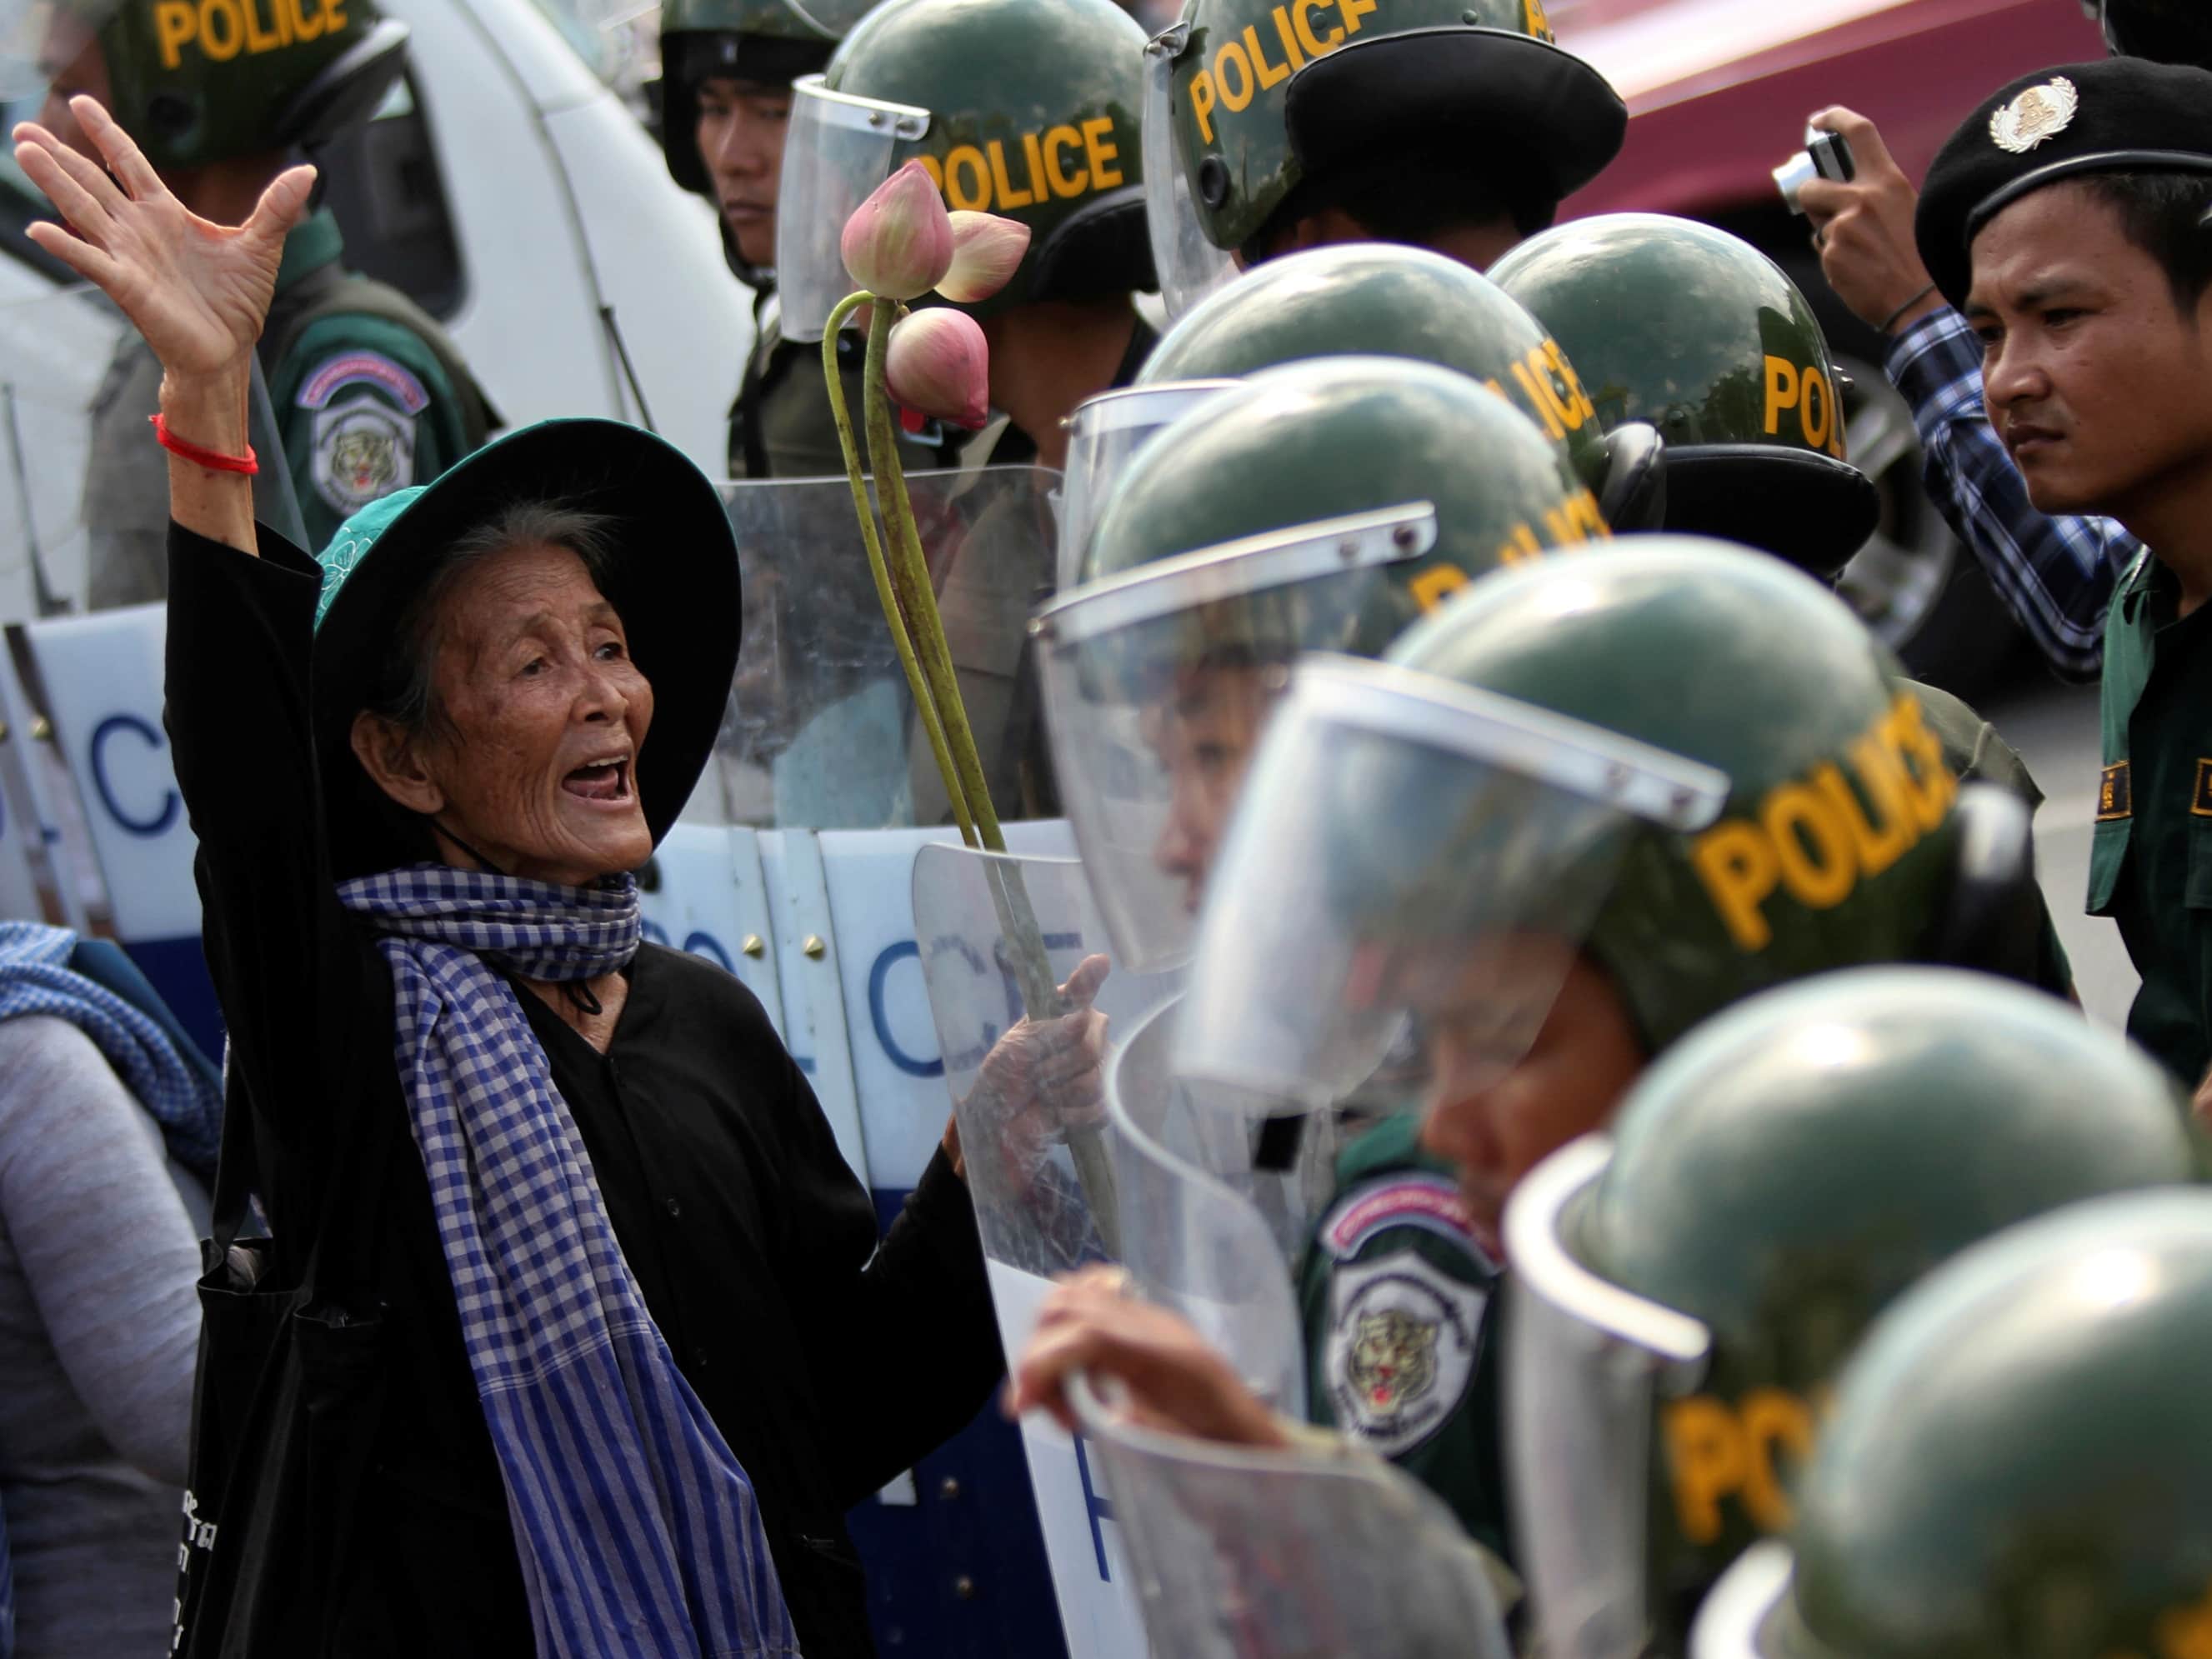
(637, 1531)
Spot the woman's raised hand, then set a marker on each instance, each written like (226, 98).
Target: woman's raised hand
(197, 291)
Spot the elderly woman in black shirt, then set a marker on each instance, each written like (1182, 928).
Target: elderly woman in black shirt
(623, 1305)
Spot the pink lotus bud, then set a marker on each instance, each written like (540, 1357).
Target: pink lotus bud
(937, 364)
(987, 252)
(898, 243)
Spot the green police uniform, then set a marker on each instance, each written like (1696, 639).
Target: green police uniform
(370, 394)
(2150, 864)
(1397, 1300)
(781, 426)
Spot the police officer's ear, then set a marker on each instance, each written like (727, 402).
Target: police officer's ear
(1634, 497)
(1991, 918)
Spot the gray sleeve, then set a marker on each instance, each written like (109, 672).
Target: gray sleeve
(104, 1240)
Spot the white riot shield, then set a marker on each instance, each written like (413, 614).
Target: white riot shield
(1027, 1093)
(1316, 1553)
(821, 732)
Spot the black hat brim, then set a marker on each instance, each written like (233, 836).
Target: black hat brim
(1810, 509)
(1558, 119)
(672, 577)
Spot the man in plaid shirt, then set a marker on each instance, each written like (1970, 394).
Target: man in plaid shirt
(2055, 574)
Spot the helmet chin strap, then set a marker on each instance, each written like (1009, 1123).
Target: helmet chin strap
(579, 993)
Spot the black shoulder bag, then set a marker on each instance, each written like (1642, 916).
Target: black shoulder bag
(287, 1403)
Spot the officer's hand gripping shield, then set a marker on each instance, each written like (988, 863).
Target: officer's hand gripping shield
(1584, 1374)
(838, 149)
(1159, 681)
(1189, 265)
(1247, 1554)
(1103, 434)
(1413, 869)
(820, 732)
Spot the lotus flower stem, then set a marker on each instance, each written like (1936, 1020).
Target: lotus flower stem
(909, 602)
(886, 594)
(917, 596)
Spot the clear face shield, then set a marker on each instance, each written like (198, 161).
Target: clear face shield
(48, 53)
(1411, 872)
(1158, 682)
(1103, 435)
(1584, 1374)
(839, 148)
(1246, 1554)
(833, 19)
(1190, 267)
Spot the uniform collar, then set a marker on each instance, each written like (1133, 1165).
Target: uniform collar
(313, 244)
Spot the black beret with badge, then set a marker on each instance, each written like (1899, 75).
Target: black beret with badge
(2116, 115)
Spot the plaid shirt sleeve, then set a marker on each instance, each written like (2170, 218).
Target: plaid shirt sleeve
(2055, 575)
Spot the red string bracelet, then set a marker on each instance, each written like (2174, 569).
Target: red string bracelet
(214, 460)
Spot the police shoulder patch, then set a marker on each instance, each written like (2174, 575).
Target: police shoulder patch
(1408, 1198)
(364, 368)
(1403, 1337)
(363, 449)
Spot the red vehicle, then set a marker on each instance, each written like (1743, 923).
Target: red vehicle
(1718, 92)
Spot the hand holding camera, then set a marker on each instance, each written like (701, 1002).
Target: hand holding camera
(1861, 206)
(1826, 156)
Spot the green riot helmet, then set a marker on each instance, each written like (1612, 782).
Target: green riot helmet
(769, 43)
(2164, 31)
(1694, 1280)
(2015, 1463)
(1253, 106)
(1024, 108)
(194, 83)
(1696, 331)
(1321, 506)
(1376, 300)
(1829, 844)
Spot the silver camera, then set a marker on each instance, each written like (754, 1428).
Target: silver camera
(1826, 156)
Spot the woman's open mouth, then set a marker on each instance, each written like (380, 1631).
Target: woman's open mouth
(604, 780)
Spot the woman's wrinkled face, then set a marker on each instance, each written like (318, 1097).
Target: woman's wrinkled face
(532, 758)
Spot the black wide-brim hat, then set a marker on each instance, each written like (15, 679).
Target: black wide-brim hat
(2115, 115)
(1555, 122)
(1808, 508)
(672, 577)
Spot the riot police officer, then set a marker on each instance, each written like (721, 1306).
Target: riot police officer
(727, 69)
(1566, 837)
(1285, 123)
(1026, 109)
(369, 395)
(1696, 1277)
(2016, 1463)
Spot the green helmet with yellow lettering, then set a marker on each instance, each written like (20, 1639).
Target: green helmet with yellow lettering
(1375, 299)
(1321, 506)
(195, 81)
(2015, 1462)
(1027, 109)
(767, 43)
(1833, 847)
(1696, 1278)
(1269, 108)
(1700, 334)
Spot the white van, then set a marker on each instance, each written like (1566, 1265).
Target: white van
(508, 190)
